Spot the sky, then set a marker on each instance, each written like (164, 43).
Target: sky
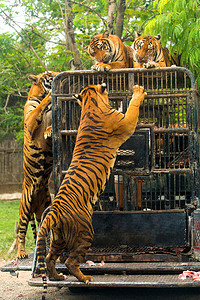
(5, 28)
(19, 18)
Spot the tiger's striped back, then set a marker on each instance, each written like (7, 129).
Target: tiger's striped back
(37, 156)
(101, 132)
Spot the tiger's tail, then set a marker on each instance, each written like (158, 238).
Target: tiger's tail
(41, 249)
(33, 226)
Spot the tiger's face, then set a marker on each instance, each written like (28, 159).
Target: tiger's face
(41, 83)
(101, 48)
(145, 48)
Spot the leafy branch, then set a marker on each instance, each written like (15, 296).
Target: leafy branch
(27, 41)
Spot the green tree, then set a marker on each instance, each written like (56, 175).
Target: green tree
(42, 38)
(12, 92)
(178, 23)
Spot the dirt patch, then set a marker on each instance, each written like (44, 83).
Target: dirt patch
(13, 287)
(13, 196)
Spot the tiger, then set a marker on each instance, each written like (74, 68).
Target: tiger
(37, 156)
(109, 52)
(101, 132)
(148, 53)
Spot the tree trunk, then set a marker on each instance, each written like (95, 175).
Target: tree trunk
(69, 35)
(120, 18)
(111, 12)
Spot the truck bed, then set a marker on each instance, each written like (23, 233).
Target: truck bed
(123, 281)
(134, 274)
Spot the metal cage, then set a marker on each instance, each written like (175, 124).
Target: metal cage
(150, 210)
(155, 177)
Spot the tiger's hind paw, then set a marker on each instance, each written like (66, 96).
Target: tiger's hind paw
(48, 133)
(22, 255)
(57, 277)
(88, 279)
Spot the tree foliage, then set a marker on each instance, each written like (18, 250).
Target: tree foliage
(178, 23)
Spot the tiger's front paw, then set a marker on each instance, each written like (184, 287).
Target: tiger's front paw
(138, 91)
(48, 132)
(150, 64)
(101, 67)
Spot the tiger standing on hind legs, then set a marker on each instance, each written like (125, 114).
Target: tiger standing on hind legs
(101, 132)
(37, 156)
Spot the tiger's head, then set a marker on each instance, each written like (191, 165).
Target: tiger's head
(41, 84)
(145, 48)
(92, 95)
(101, 48)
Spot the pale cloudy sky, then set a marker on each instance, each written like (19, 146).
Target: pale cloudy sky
(19, 18)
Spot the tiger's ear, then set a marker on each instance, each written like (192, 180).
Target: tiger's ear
(106, 34)
(137, 34)
(157, 37)
(86, 48)
(34, 79)
(103, 87)
(78, 98)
